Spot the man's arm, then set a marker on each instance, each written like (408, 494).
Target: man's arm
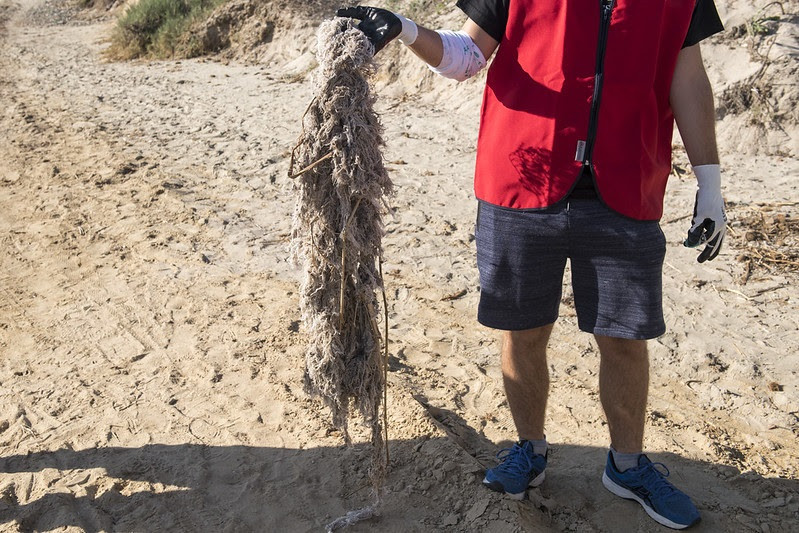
(691, 101)
(456, 55)
(429, 48)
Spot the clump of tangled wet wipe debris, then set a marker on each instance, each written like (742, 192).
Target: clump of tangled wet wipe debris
(337, 234)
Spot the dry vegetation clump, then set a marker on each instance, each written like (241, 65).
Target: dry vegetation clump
(767, 100)
(98, 4)
(189, 28)
(752, 96)
(158, 28)
(768, 238)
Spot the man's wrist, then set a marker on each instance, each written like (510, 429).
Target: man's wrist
(409, 30)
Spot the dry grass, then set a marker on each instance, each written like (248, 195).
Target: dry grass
(768, 237)
(160, 29)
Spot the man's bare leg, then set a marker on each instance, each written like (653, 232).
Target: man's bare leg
(624, 382)
(623, 388)
(526, 378)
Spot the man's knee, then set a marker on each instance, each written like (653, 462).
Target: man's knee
(535, 338)
(617, 347)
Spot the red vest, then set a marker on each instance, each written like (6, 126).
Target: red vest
(538, 99)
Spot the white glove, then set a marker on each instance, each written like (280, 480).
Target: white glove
(709, 224)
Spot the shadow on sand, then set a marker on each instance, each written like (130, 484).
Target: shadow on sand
(433, 485)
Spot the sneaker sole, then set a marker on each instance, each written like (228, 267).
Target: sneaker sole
(627, 494)
(496, 486)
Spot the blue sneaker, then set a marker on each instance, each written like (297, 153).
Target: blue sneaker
(647, 485)
(520, 468)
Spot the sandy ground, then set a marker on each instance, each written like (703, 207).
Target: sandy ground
(150, 347)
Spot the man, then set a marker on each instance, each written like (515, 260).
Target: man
(573, 156)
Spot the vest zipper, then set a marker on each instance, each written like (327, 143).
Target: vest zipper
(605, 11)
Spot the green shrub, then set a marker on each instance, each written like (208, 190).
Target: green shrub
(153, 27)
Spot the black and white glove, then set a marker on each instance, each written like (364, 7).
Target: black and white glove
(709, 224)
(381, 26)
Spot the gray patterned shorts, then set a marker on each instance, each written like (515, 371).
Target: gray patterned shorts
(616, 264)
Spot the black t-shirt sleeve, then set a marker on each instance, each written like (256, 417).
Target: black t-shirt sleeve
(490, 15)
(704, 23)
